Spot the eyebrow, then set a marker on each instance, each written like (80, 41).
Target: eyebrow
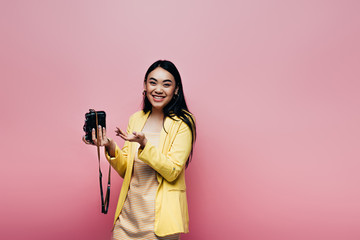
(166, 80)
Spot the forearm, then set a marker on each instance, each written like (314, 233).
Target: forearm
(117, 158)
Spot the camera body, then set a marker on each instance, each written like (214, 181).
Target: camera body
(90, 123)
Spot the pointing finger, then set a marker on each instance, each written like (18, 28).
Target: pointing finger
(119, 131)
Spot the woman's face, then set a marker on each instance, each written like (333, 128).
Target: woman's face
(160, 88)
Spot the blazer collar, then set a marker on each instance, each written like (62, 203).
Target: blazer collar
(140, 123)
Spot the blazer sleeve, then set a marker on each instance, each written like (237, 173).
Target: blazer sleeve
(119, 161)
(169, 165)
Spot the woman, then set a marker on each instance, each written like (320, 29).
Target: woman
(158, 147)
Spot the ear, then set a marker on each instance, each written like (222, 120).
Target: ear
(176, 91)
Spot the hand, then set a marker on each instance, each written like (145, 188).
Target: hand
(103, 140)
(138, 137)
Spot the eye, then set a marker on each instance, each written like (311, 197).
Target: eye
(152, 83)
(167, 85)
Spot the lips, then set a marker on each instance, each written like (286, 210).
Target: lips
(158, 98)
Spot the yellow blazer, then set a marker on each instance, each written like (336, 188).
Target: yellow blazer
(168, 160)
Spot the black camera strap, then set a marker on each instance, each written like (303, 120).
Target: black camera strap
(104, 202)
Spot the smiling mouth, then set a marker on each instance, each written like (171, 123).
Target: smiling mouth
(158, 98)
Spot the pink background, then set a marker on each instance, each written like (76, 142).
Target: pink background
(274, 86)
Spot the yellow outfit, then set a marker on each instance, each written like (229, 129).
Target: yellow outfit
(171, 210)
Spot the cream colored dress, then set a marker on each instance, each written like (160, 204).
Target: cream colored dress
(136, 220)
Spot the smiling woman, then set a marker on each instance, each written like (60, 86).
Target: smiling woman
(157, 150)
(177, 105)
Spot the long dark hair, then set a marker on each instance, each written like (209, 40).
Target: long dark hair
(177, 106)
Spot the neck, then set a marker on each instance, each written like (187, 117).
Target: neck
(156, 113)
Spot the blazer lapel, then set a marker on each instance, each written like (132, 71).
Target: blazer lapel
(167, 125)
(138, 126)
(140, 123)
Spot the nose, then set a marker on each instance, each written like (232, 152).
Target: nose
(158, 89)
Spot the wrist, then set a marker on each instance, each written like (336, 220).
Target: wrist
(142, 145)
(110, 147)
(109, 143)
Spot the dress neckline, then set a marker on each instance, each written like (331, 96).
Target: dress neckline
(152, 132)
